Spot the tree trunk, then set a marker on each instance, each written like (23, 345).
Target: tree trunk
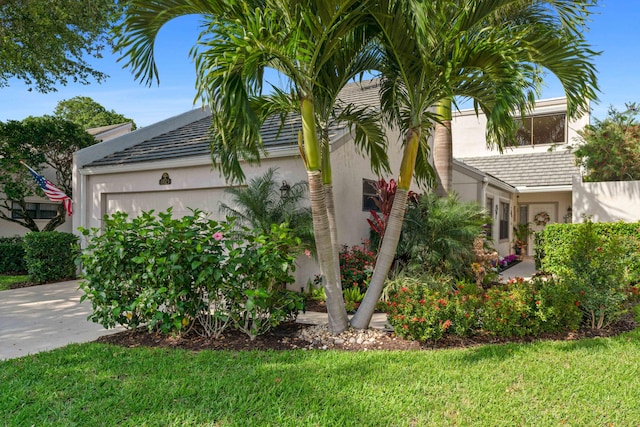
(443, 149)
(338, 320)
(391, 237)
(333, 230)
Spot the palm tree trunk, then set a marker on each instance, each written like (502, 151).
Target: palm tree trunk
(391, 237)
(338, 320)
(333, 229)
(443, 149)
(327, 182)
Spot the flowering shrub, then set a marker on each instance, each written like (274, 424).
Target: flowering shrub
(509, 259)
(356, 266)
(529, 308)
(173, 274)
(517, 308)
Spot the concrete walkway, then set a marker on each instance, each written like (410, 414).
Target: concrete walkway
(45, 317)
(525, 269)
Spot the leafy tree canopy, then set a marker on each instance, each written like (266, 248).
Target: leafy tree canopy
(610, 149)
(45, 43)
(87, 113)
(44, 143)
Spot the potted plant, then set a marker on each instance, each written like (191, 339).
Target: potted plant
(521, 233)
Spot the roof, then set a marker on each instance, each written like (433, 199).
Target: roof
(191, 139)
(546, 169)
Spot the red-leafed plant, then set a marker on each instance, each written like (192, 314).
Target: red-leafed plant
(385, 194)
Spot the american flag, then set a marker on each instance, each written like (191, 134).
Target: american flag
(53, 193)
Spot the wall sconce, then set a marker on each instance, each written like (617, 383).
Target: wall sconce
(495, 211)
(284, 189)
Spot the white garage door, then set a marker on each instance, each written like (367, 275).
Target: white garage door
(207, 200)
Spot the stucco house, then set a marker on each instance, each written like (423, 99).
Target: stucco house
(42, 209)
(169, 164)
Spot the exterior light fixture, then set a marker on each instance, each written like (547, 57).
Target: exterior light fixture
(284, 189)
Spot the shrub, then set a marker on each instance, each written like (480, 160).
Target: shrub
(356, 266)
(50, 256)
(519, 308)
(529, 308)
(12, 255)
(598, 266)
(174, 274)
(258, 268)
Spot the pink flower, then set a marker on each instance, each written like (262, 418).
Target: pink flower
(307, 253)
(217, 236)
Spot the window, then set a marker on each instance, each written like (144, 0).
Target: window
(547, 129)
(369, 194)
(504, 220)
(488, 228)
(35, 210)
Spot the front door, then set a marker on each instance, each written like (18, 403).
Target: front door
(541, 214)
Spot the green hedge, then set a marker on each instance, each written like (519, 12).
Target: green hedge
(12, 255)
(50, 256)
(556, 241)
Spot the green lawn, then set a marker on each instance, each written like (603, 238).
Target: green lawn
(7, 281)
(593, 382)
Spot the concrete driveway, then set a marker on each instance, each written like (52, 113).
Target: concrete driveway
(45, 317)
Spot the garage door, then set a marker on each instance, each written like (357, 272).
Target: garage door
(207, 200)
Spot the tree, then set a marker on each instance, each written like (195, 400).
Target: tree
(610, 149)
(494, 53)
(87, 113)
(45, 43)
(299, 39)
(42, 143)
(261, 204)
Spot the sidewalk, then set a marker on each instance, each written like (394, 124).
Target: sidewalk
(525, 269)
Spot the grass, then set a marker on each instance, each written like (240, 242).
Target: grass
(7, 281)
(593, 382)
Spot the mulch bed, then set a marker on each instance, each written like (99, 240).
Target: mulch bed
(284, 337)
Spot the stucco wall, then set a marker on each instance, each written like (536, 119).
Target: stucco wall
(469, 131)
(606, 201)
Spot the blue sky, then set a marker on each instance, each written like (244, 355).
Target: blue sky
(614, 31)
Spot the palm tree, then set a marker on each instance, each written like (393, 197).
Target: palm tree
(493, 52)
(261, 204)
(297, 38)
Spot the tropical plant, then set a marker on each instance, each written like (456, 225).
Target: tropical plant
(260, 204)
(438, 235)
(302, 40)
(494, 53)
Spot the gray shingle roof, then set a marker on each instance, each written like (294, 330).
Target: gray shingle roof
(192, 140)
(528, 170)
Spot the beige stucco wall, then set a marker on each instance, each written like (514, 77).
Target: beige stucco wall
(469, 131)
(606, 201)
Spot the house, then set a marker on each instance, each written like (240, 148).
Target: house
(536, 173)
(168, 164)
(42, 209)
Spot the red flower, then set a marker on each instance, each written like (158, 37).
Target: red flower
(577, 303)
(446, 324)
(537, 302)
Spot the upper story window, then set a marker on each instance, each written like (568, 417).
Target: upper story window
(35, 210)
(543, 129)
